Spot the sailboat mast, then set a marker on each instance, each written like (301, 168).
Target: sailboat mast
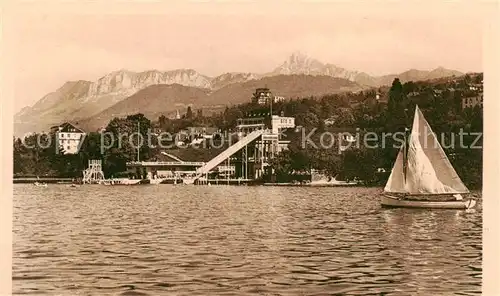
(405, 155)
(405, 147)
(138, 133)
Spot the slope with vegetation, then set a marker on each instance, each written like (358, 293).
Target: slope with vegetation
(439, 100)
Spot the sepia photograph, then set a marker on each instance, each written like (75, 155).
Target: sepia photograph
(247, 147)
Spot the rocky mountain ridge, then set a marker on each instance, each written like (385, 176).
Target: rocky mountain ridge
(79, 100)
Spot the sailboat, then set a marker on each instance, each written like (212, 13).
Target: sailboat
(422, 176)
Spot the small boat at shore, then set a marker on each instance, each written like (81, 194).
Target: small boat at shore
(37, 184)
(188, 181)
(321, 179)
(422, 176)
(156, 181)
(121, 181)
(332, 182)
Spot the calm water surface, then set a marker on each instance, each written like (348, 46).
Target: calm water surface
(222, 240)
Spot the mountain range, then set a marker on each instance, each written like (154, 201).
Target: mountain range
(153, 92)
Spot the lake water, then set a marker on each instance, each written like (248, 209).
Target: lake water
(224, 240)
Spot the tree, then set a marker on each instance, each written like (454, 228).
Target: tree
(163, 122)
(467, 79)
(360, 163)
(189, 113)
(124, 142)
(479, 78)
(281, 164)
(91, 147)
(395, 95)
(409, 87)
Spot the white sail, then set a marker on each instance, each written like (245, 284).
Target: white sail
(429, 170)
(396, 181)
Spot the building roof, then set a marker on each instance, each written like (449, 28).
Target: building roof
(165, 156)
(68, 127)
(202, 129)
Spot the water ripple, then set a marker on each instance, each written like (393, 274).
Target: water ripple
(220, 240)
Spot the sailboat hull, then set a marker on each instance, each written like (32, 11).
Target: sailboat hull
(393, 201)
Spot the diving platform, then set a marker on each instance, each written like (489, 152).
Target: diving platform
(93, 174)
(243, 162)
(230, 151)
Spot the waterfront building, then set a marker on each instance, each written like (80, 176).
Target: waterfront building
(250, 124)
(69, 137)
(346, 136)
(226, 171)
(280, 123)
(196, 132)
(278, 99)
(170, 168)
(260, 138)
(245, 160)
(195, 135)
(166, 166)
(471, 102)
(262, 96)
(253, 160)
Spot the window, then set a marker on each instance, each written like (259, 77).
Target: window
(62, 135)
(69, 147)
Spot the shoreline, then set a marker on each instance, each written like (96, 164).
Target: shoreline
(29, 180)
(62, 181)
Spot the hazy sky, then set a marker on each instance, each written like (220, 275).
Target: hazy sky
(49, 43)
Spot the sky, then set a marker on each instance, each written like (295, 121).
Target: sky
(49, 43)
